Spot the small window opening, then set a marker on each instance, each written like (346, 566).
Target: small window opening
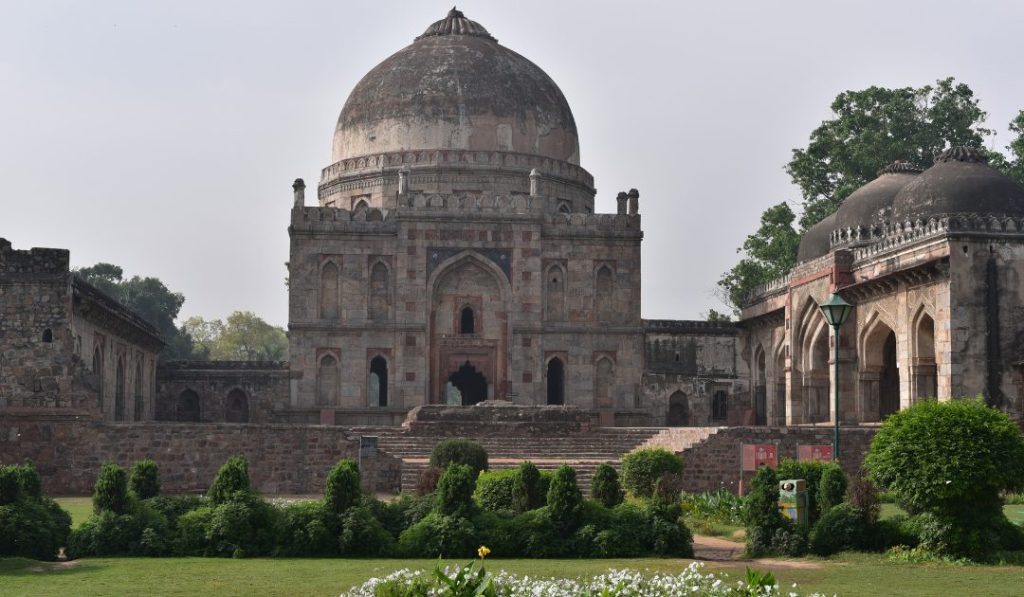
(47, 335)
(466, 321)
(677, 357)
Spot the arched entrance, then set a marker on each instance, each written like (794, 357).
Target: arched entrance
(889, 379)
(236, 407)
(926, 381)
(761, 390)
(467, 385)
(678, 410)
(378, 381)
(188, 407)
(879, 375)
(119, 390)
(556, 381)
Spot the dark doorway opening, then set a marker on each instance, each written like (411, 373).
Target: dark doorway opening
(556, 381)
(467, 323)
(678, 410)
(378, 382)
(236, 408)
(472, 384)
(188, 407)
(889, 379)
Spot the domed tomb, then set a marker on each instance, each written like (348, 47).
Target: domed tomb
(960, 183)
(861, 214)
(815, 242)
(455, 87)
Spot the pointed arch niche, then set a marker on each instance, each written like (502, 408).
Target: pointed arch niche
(923, 368)
(879, 370)
(330, 290)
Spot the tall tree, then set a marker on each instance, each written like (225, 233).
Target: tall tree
(148, 297)
(769, 253)
(869, 129)
(875, 127)
(1012, 165)
(243, 337)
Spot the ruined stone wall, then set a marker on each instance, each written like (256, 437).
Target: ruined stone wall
(686, 364)
(233, 391)
(715, 462)
(36, 344)
(283, 459)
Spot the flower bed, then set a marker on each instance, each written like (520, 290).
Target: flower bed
(692, 581)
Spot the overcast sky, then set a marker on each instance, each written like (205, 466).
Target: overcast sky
(164, 136)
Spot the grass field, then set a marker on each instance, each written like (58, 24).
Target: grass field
(852, 574)
(846, 574)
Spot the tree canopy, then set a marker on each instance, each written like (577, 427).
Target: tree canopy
(148, 297)
(242, 337)
(869, 129)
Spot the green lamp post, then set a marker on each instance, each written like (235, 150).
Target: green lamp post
(835, 310)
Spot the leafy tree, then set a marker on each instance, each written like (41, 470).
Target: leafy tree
(1014, 168)
(148, 297)
(769, 253)
(869, 129)
(243, 337)
(713, 315)
(874, 127)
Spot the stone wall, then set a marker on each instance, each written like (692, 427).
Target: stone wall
(231, 391)
(283, 459)
(715, 462)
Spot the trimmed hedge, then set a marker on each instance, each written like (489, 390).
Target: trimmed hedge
(144, 481)
(604, 487)
(31, 525)
(513, 490)
(641, 469)
(459, 451)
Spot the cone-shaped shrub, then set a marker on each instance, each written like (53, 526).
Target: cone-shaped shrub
(231, 479)
(111, 490)
(343, 489)
(565, 501)
(605, 488)
(144, 481)
(455, 490)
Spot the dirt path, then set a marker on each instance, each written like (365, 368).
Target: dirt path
(730, 553)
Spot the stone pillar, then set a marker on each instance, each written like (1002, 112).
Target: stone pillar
(634, 202)
(535, 183)
(620, 201)
(299, 187)
(403, 181)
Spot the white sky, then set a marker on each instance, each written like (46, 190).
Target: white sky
(164, 136)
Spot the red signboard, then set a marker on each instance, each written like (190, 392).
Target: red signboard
(754, 456)
(814, 453)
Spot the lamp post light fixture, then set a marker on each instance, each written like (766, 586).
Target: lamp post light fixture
(835, 310)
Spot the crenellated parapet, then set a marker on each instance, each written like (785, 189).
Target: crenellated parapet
(583, 225)
(472, 203)
(331, 219)
(35, 261)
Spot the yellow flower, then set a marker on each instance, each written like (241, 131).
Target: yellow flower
(483, 551)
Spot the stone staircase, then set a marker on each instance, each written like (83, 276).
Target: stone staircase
(583, 451)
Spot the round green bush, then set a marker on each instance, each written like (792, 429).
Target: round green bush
(948, 463)
(496, 490)
(144, 481)
(308, 529)
(139, 531)
(459, 451)
(840, 528)
(343, 489)
(28, 481)
(455, 490)
(565, 501)
(363, 535)
(33, 528)
(111, 490)
(604, 487)
(174, 506)
(641, 469)
(438, 535)
(232, 479)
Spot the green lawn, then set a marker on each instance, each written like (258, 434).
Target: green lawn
(80, 508)
(854, 574)
(1015, 513)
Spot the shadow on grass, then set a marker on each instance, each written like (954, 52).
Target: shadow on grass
(24, 567)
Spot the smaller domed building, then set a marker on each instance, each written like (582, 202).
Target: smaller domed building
(932, 262)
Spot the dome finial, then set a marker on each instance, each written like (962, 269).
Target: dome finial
(456, 23)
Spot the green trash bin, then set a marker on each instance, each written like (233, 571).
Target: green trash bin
(793, 500)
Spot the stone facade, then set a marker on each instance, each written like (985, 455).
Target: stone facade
(936, 303)
(66, 345)
(223, 391)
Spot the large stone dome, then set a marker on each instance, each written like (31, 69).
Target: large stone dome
(960, 183)
(815, 242)
(870, 206)
(455, 87)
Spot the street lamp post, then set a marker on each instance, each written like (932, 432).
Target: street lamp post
(835, 310)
